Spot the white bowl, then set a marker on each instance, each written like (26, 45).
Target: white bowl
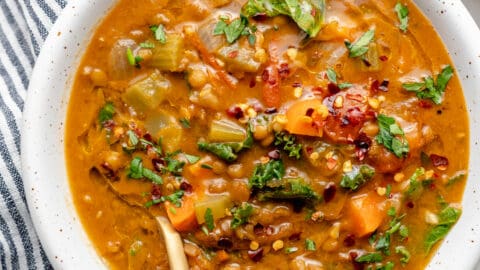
(45, 179)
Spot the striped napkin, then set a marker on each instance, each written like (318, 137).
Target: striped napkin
(24, 25)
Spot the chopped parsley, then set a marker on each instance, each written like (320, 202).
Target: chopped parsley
(310, 245)
(132, 59)
(237, 28)
(137, 171)
(286, 142)
(185, 122)
(370, 258)
(360, 46)
(415, 185)
(175, 198)
(209, 222)
(241, 214)
(429, 89)
(191, 158)
(159, 33)
(290, 250)
(357, 177)
(273, 170)
(402, 14)
(448, 217)
(405, 254)
(106, 113)
(147, 45)
(392, 136)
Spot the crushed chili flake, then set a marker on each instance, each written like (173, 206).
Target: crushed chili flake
(156, 192)
(284, 71)
(187, 187)
(271, 110)
(296, 84)
(333, 88)
(295, 236)
(426, 104)
(260, 17)
(225, 243)
(258, 229)
(366, 62)
(255, 255)
(383, 58)
(233, 54)
(355, 116)
(439, 162)
(109, 124)
(349, 240)
(253, 82)
(148, 137)
(158, 164)
(235, 112)
(329, 192)
(309, 112)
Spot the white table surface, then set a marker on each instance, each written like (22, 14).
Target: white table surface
(474, 7)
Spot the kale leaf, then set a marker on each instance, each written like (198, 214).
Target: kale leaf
(357, 177)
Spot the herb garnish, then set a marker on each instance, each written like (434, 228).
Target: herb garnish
(360, 46)
(132, 59)
(448, 217)
(175, 198)
(236, 28)
(209, 222)
(392, 136)
(185, 122)
(106, 113)
(310, 245)
(357, 177)
(370, 258)
(159, 33)
(402, 14)
(137, 171)
(241, 214)
(428, 89)
(286, 142)
(273, 170)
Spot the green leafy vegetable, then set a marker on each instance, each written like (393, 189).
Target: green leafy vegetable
(286, 142)
(175, 198)
(357, 177)
(147, 45)
(310, 245)
(185, 123)
(106, 113)
(383, 244)
(456, 178)
(360, 46)
(137, 171)
(273, 170)
(290, 250)
(241, 214)
(288, 189)
(159, 33)
(228, 151)
(428, 89)
(307, 14)
(236, 29)
(209, 219)
(173, 166)
(402, 14)
(332, 75)
(191, 158)
(132, 59)
(405, 254)
(392, 136)
(448, 217)
(415, 184)
(370, 258)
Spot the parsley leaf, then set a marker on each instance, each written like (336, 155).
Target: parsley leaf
(159, 33)
(360, 46)
(293, 189)
(310, 245)
(402, 14)
(185, 123)
(286, 142)
(137, 171)
(106, 113)
(448, 217)
(241, 214)
(147, 45)
(263, 173)
(234, 30)
(209, 219)
(175, 198)
(392, 136)
(132, 59)
(307, 14)
(428, 89)
(357, 177)
(191, 158)
(370, 258)
(332, 75)
(405, 254)
(415, 185)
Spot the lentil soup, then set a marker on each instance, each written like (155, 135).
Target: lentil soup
(279, 134)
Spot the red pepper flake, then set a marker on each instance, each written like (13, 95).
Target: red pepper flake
(410, 204)
(109, 124)
(253, 82)
(185, 186)
(258, 229)
(271, 110)
(355, 116)
(331, 163)
(383, 58)
(296, 84)
(356, 97)
(309, 150)
(333, 88)
(439, 162)
(158, 164)
(255, 255)
(295, 236)
(366, 62)
(349, 240)
(233, 54)
(309, 112)
(425, 104)
(156, 192)
(148, 137)
(384, 85)
(284, 71)
(318, 91)
(235, 112)
(260, 17)
(329, 192)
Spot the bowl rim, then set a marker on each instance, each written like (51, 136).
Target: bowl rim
(53, 214)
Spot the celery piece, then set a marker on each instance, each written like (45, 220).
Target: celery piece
(217, 204)
(147, 93)
(168, 56)
(226, 131)
(238, 59)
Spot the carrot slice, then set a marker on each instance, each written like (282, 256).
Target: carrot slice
(303, 118)
(200, 170)
(365, 213)
(182, 218)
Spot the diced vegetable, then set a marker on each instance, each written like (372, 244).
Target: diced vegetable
(306, 117)
(210, 41)
(118, 65)
(365, 213)
(361, 45)
(198, 170)
(147, 93)
(168, 56)
(182, 218)
(357, 177)
(163, 124)
(271, 86)
(308, 14)
(238, 59)
(217, 204)
(226, 131)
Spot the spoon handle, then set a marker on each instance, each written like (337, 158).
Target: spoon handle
(174, 245)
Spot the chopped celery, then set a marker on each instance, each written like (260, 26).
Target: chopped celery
(226, 131)
(166, 126)
(168, 56)
(217, 204)
(147, 93)
(238, 59)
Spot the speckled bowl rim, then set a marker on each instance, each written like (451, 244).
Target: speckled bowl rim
(42, 144)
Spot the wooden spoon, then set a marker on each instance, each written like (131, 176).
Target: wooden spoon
(173, 242)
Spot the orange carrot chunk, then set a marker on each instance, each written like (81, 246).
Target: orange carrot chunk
(365, 213)
(182, 218)
(306, 117)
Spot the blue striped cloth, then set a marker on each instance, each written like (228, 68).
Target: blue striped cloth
(24, 25)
